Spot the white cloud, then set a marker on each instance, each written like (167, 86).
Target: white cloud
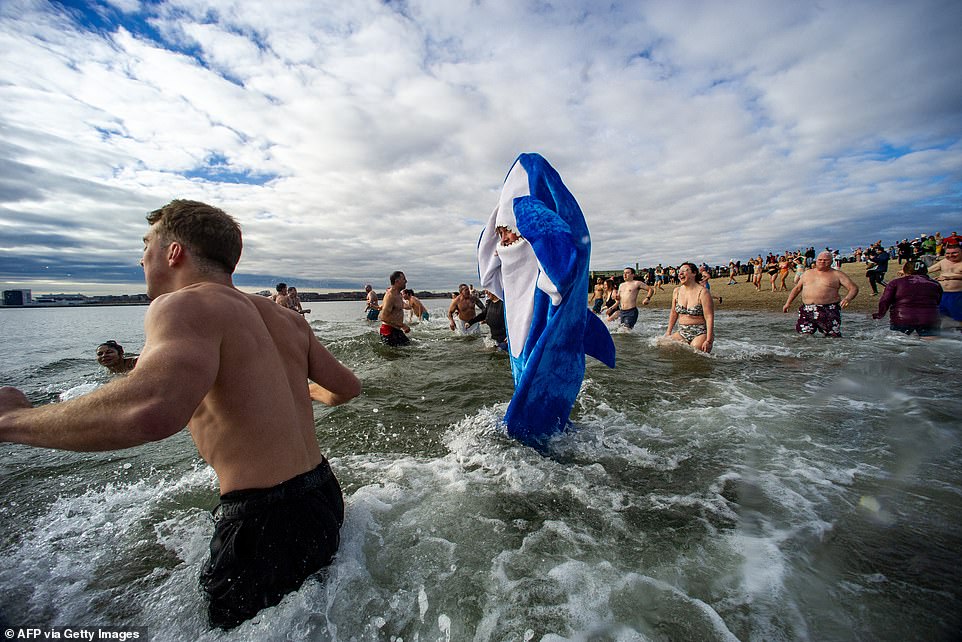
(383, 131)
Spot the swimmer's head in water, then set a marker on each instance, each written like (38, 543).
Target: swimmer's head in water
(109, 352)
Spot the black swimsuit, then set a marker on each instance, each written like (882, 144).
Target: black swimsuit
(267, 541)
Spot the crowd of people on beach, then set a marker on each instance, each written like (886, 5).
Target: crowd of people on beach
(915, 301)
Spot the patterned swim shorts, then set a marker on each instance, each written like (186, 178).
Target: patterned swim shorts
(825, 317)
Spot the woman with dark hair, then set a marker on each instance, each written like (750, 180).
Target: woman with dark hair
(110, 355)
(692, 311)
(912, 302)
(610, 296)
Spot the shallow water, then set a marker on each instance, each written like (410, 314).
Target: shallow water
(782, 488)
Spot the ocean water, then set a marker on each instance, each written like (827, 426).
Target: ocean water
(782, 488)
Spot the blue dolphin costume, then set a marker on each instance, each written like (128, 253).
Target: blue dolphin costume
(543, 279)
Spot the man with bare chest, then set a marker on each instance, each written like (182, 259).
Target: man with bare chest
(393, 329)
(822, 301)
(235, 369)
(628, 298)
(950, 278)
(465, 304)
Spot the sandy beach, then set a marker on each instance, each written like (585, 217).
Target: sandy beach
(742, 295)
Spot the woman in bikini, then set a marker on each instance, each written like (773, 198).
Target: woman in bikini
(784, 265)
(692, 311)
(757, 274)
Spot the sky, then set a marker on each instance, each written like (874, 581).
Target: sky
(352, 139)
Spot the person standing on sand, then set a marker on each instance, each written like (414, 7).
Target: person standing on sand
(706, 281)
(659, 276)
(822, 302)
(784, 265)
(234, 368)
(393, 329)
(757, 274)
(878, 265)
(950, 278)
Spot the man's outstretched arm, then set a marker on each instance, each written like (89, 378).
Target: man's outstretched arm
(177, 367)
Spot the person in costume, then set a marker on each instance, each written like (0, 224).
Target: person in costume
(533, 254)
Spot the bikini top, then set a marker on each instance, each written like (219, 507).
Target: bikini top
(696, 310)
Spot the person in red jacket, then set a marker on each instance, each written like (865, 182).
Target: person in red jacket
(912, 302)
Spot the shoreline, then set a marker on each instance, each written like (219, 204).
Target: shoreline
(743, 297)
(738, 297)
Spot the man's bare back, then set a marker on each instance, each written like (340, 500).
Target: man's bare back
(249, 427)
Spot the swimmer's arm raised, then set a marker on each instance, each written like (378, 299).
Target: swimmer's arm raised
(177, 368)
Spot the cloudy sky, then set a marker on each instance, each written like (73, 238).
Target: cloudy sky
(354, 138)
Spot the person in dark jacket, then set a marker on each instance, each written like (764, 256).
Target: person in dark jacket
(912, 302)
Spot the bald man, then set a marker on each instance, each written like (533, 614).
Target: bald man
(822, 301)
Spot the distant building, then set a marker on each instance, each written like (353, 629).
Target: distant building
(17, 297)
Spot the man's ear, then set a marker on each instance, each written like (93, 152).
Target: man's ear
(175, 253)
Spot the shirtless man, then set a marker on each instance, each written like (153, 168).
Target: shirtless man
(628, 298)
(822, 301)
(393, 329)
(414, 305)
(372, 309)
(950, 278)
(246, 401)
(281, 297)
(465, 304)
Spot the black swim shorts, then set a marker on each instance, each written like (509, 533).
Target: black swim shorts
(267, 541)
